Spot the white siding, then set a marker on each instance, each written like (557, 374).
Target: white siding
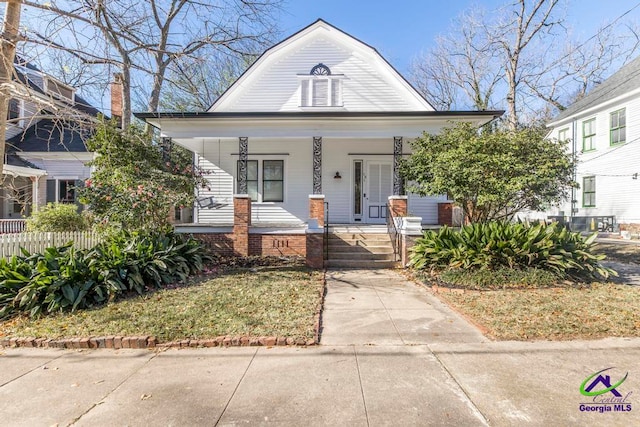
(220, 159)
(369, 83)
(63, 168)
(613, 166)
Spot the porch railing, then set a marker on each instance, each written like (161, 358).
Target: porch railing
(9, 226)
(394, 235)
(326, 232)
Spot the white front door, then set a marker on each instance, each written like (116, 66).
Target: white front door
(379, 186)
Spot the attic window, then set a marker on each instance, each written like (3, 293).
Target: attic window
(320, 88)
(60, 90)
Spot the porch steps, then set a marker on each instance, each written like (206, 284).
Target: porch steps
(361, 250)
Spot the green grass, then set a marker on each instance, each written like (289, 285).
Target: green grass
(501, 278)
(588, 312)
(266, 302)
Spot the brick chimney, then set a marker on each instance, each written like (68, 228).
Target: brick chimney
(116, 98)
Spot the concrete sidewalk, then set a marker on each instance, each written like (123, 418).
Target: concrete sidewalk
(391, 354)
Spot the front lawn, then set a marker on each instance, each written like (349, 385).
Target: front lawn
(587, 312)
(261, 302)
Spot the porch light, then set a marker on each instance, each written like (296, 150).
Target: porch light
(337, 176)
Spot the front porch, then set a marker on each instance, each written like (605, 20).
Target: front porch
(385, 245)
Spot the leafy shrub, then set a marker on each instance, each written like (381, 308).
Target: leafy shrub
(57, 217)
(492, 245)
(66, 279)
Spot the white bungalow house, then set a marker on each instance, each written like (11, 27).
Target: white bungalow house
(604, 133)
(45, 154)
(319, 116)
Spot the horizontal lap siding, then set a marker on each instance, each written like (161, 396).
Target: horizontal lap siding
(223, 167)
(368, 85)
(613, 167)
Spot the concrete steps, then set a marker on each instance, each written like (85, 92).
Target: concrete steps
(361, 250)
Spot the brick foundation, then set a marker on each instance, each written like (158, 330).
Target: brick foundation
(445, 214)
(315, 250)
(218, 243)
(278, 245)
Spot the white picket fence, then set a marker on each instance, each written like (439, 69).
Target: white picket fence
(33, 242)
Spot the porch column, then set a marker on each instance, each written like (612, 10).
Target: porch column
(241, 223)
(35, 190)
(397, 155)
(166, 145)
(317, 165)
(242, 173)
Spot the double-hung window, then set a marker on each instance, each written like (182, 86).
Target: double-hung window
(589, 191)
(320, 88)
(618, 124)
(589, 135)
(563, 134)
(265, 180)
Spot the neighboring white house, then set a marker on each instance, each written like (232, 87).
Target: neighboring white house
(45, 154)
(604, 132)
(318, 113)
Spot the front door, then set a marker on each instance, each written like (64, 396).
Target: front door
(379, 186)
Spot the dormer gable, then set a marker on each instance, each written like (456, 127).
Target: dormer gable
(321, 68)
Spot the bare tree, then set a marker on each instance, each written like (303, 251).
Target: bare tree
(143, 39)
(520, 56)
(8, 43)
(462, 69)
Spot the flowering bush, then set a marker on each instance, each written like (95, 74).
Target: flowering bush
(134, 186)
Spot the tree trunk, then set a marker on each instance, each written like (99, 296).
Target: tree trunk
(7, 55)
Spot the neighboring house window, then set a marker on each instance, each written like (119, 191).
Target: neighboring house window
(618, 127)
(60, 90)
(589, 191)
(563, 134)
(321, 88)
(589, 135)
(269, 179)
(67, 191)
(13, 112)
(63, 190)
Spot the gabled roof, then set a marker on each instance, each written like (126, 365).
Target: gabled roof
(622, 82)
(33, 78)
(318, 24)
(49, 136)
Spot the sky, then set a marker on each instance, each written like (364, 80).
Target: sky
(401, 29)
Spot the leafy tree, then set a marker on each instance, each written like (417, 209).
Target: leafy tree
(135, 184)
(491, 175)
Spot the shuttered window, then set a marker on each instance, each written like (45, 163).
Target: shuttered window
(321, 91)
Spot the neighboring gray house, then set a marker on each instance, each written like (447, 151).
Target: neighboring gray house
(45, 153)
(604, 130)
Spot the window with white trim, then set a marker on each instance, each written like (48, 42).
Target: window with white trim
(265, 180)
(321, 88)
(60, 90)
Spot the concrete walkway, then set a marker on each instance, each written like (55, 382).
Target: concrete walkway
(391, 354)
